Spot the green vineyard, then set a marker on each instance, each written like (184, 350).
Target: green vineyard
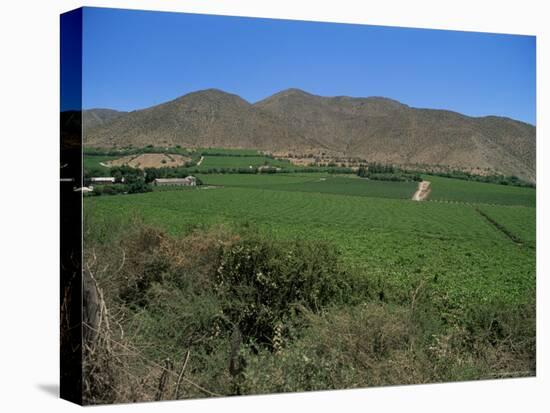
(455, 190)
(398, 241)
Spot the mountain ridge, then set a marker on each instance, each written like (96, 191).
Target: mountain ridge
(375, 128)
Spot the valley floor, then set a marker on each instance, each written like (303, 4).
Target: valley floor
(438, 274)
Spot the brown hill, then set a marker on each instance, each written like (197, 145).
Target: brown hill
(374, 128)
(92, 118)
(385, 130)
(209, 118)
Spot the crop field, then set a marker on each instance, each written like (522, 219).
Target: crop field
(94, 161)
(213, 161)
(260, 180)
(315, 182)
(400, 241)
(328, 265)
(520, 221)
(456, 190)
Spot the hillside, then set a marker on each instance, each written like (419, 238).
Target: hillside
(374, 128)
(97, 117)
(385, 130)
(209, 118)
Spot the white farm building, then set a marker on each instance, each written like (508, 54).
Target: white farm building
(187, 181)
(103, 180)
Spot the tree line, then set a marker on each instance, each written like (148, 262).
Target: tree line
(383, 172)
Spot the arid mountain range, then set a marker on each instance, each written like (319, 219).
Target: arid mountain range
(293, 121)
(98, 117)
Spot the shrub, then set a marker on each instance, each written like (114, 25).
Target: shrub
(138, 186)
(381, 172)
(365, 345)
(263, 282)
(109, 189)
(247, 314)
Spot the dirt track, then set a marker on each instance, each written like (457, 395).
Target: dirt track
(423, 191)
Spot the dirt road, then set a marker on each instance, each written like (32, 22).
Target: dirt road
(423, 191)
(200, 161)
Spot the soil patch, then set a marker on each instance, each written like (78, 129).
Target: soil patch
(423, 191)
(150, 160)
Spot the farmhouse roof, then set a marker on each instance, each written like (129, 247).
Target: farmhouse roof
(175, 180)
(103, 178)
(171, 179)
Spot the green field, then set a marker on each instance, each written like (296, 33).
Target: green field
(315, 182)
(331, 281)
(398, 240)
(214, 158)
(456, 190)
(94, 162)
(213, 161)
(260, 180)
(519, 220)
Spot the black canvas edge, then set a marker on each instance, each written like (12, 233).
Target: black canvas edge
(71, 206)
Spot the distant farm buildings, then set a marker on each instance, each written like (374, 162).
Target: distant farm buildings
(103, 180)
(268, 168)
(188, 181)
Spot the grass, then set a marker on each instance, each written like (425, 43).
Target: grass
(94, 162)
(456, 190)
(245, 313)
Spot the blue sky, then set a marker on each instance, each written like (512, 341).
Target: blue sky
(136, 59)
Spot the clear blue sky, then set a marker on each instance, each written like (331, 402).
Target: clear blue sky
(136, 59)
